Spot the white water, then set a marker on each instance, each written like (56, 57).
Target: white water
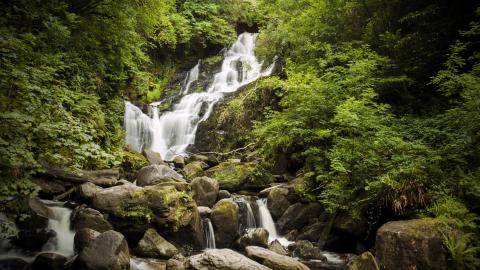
(209, 234)
(172, 132)
(266, 222)
(62, 243)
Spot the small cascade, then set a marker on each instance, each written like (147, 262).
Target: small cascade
(172, 132)
(266, 222)
(62, 243)
(192, 76)
(247, 218)
(208, 234)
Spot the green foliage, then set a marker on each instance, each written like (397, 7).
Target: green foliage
(462, 249)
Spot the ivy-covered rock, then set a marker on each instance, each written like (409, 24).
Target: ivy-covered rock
(234, 176)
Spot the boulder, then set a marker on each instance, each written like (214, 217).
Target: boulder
(277, 247)
(197, 157)
(83, 238)
(49, 260)
(225, 259)
(298, 215)
(411, 244)
(204, 211)
(177, 262)
(224, 217)
(92, 219)
(189, 236)
(192, 170)
(153, 245)
(274, 260)
(311, 232)
(108, 251)
(109, 200)
(155, 174)
(353, 226)
(224, 194)
(179, 161)
(254, 237)
(86, 191)
(205, 191)
(234, 176)
(306, 250)
(277, 202)
(365, 261)
(154, 158)
(39, 208)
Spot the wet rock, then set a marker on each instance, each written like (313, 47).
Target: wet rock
(234, 176)
(92, 219)
(86, 191)
(311, 232)
(192, 170)
(49, 260)
(277, 247)
(298, 215)
(110, 200)
(39, 208)
(153, 245)
(188, 236)
(306, 250)
(155, 174)
(224, 217)
(177, 262)
(224, 194)
(225, 259)
(277, 202)
(204, 211)
(274, 260)
(254, 237)
(411, 244)
(179, 161)
(154, 158)
(108, 251)
(365, 261)
(83, 238)
(205, 191)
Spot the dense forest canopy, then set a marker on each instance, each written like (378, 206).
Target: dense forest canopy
(377, 106)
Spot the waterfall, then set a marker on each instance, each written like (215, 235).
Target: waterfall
(247, 219)
(266, 222)
(62, 243)
(172, 132)
(208, 233)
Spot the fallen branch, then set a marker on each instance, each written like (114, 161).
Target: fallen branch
(64, 195)
(228, 153)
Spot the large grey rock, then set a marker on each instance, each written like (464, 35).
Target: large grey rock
(306, 250)
(86, 191)
(92, 219)
(108, 251)
(83, 238)
(411, 244)
(254, 237)
(154, 158)
(298, 215)
(205, 191)
(156, 174)
(153, 245)
(277, 202)
(224, 217)
(223, 259)
(277, 247)
(274, 260)
(111, 199)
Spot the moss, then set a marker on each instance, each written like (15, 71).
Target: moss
(303, 188)
(136, 211)
(240, 175)
(133, 161)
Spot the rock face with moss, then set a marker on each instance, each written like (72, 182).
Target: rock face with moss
(411, 244)
(130, 206)
(225, 216)
(234, 176)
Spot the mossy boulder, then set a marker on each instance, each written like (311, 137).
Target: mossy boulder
(234, 176)
(194, 169)
(225, 217)
(277, 202)
(411, 244)
(132, 162)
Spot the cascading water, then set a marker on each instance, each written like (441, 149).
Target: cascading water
(247, 219)
(208, 233)
(266, 222)
(172, 132)
(62, 243)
